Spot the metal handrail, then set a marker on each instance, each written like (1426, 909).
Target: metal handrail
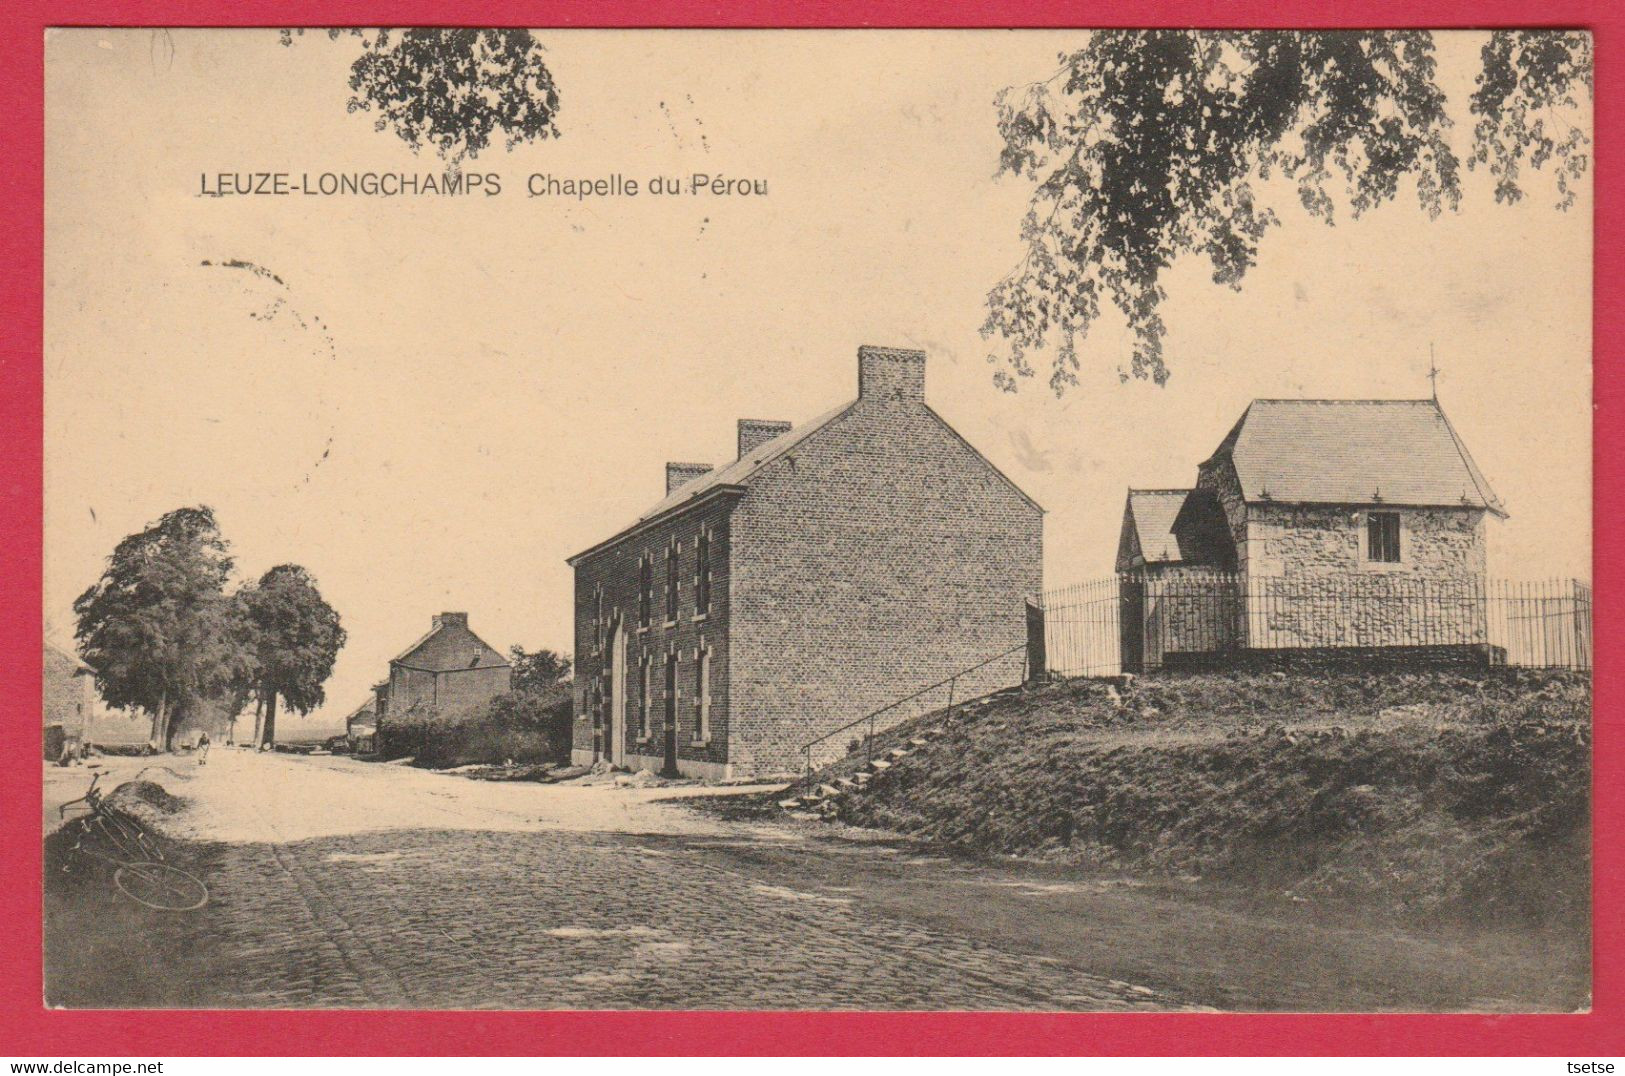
(951, 681)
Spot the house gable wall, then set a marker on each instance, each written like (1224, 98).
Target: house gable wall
(466, 690)
(419, 691)
(874, 559)
(69, 693)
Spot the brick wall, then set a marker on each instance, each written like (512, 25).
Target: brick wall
(417, 693)
(755, 432)
(875, 558)
(613, 572)
(411, 692)
(465, 690)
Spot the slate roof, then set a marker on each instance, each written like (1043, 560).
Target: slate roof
(1180, 526)
(1400, 452)
(737, 473)
(1154, 512)
(65, 654)
(450, 648)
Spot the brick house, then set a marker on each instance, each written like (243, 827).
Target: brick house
(826, 571)
(448, 672)
(67, 702)
(1315, 523)
(361, 729)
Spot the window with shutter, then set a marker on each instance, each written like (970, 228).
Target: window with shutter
(671, 583)
(646, 586)
(645, 686)
(702, 574)
(702, 695)
(671, 690)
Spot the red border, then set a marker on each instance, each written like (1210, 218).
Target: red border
(31, 1028)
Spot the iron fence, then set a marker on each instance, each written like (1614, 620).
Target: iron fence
(859, 736)
(1141, 620)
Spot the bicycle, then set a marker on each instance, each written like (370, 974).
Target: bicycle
(140, 872)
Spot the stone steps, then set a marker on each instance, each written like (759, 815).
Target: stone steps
(820, 801)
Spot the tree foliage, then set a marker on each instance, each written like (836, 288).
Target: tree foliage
(452, 89)
(1529, 79)
(163, 636)
(156, 626)
(1150, 146)
(294, 638)
(537, 670)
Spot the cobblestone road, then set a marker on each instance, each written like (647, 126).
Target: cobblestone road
(502, 905)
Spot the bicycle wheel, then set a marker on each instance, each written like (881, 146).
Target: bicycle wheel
(161, 886)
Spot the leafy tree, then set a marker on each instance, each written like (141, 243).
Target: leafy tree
(156, 625)
(537, 670)
(1146, 146)
(452, 89)
(242, 680)
(295, 636)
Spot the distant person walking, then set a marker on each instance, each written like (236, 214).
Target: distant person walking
(203, 749)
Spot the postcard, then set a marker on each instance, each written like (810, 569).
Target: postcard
(1026, 521)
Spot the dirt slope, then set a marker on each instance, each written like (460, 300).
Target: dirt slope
(1438, 795)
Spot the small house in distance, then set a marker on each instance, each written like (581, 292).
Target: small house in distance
(68, 702)
(827, 571)
(361, 729)
(450, 671)
(1314, 524)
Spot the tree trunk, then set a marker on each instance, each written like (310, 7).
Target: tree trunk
(160, 721)
(259, 717)
(172, 722)
(270, 720)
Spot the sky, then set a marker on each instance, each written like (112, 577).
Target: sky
(430, 403)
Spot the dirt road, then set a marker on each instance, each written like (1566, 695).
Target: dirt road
(342, 883)
(338, 883)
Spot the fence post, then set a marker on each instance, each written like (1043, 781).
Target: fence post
(1036, 658)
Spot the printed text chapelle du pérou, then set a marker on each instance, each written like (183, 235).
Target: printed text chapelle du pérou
(479, 184)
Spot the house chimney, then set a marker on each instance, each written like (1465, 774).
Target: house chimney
(756, 432)
(450, 620)
(891, 373)
(679, 475)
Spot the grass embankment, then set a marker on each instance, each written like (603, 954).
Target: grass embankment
(1436, 795)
